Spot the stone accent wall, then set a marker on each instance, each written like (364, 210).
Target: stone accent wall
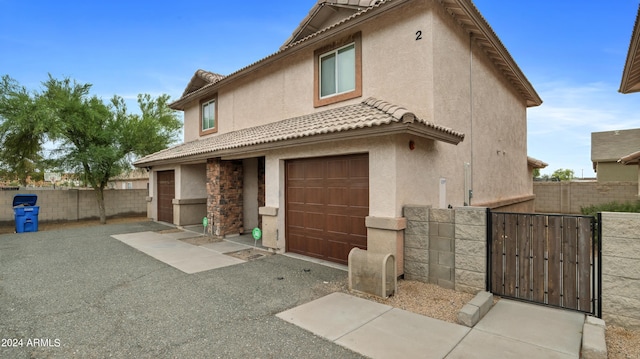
(429, 245)
(224, 202)
(568, 197)
(621, 269)
(73, 204)
(471, 249)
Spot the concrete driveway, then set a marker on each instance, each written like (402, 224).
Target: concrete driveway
(81, 293)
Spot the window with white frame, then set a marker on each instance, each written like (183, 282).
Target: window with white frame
(209, 115)
(338, 71)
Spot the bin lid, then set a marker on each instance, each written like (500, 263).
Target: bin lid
(25, 200)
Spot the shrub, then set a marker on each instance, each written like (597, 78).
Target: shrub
(611, 207)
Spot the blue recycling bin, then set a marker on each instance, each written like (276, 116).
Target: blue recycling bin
(26, 212)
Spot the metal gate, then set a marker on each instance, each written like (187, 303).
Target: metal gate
(547, 259)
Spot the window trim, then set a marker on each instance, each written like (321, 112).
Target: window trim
(319, 101)
(203, 102)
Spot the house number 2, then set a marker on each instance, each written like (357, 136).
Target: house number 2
(418, 35)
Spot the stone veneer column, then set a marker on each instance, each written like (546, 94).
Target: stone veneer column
(224, 197)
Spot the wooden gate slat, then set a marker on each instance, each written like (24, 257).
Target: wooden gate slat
(584, 264)
(497, 253)
(539, 236)
(554, 271)
(511, 252)
(524, 254)
(569, 267)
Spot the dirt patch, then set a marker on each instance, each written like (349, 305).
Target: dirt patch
(427, 299)
(250, 254)
(622, 343)
(167, 231)
(200, 240)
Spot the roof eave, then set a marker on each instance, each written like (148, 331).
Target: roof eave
(631, 74)
(416, 129)
(471, 20)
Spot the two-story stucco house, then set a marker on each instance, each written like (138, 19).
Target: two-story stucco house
(368, 107)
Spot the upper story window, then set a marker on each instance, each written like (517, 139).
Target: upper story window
(338, 71)
(209, 116)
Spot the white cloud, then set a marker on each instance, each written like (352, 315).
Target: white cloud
(560, 129)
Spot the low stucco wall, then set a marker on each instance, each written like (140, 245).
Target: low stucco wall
(73, 205)
(621, 269)
(569, 197)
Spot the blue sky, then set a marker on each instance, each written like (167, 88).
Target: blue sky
(572, 52)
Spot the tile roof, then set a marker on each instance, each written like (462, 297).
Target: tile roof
(200, 79)
(464, 11)
(536, 163)
(630, 159)
(371, 113)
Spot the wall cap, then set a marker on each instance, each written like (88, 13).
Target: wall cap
(389, 223)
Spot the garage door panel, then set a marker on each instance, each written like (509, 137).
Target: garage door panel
(314, 170)
(336, 202)
(314, 195)
(359, 197)
(338, 169)
(338, 196)
(295, 171)
(338, 224)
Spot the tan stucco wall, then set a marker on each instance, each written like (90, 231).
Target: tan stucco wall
(614, 171)
(443, 78)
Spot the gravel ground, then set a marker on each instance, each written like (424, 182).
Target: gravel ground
(622, 343)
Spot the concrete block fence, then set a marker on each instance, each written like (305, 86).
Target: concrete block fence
(448, 248)
(621, 269)
(73, 204)
(569, 197)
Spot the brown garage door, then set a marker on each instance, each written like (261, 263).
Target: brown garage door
(327, 201)
(166, 193)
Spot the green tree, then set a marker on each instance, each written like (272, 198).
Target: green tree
(22, 130)
(563, 174)
(98, 139)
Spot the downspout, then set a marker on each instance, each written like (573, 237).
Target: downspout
(469, 166)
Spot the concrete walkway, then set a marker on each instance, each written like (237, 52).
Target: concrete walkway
(167, 247)
(510, 330)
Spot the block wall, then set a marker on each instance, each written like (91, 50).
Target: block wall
(569, 197)
(621, 269)
(73, 204)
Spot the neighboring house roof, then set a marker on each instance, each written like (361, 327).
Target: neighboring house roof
(535, 163)
(631, 73)
(370, 117)
(631, 159)
(464, 11)
(610, 146)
